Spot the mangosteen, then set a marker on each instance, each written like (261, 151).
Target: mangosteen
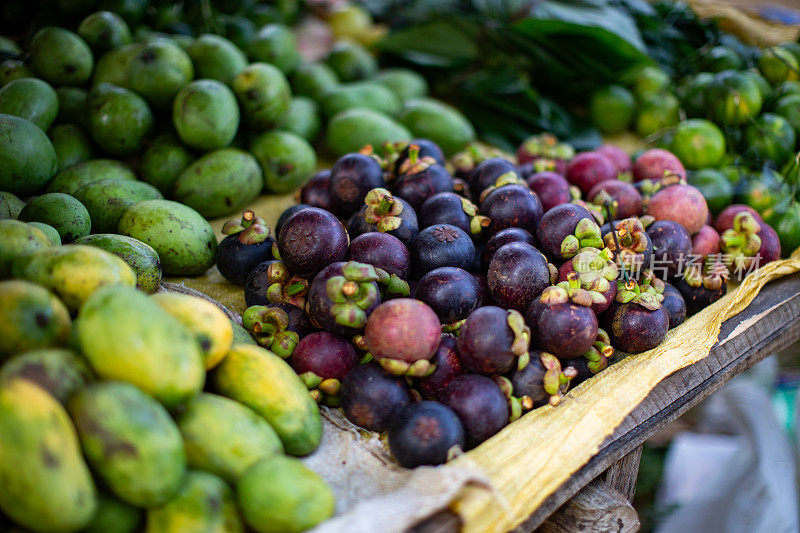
(674, 305)
(480, 405)
(311, 239)
(596, 271)
(512, 206)
(493, 340)
(587, 169)
(489, 172)
(742, 242)
(706, 242)
(500, 239)
(402, 335)
(271, 282)
(542, 381)
(770, 245)
(289, 211)
(384, 213)
(702, 285)
(371, 398)
(425, 433)
(680, 203)
(724, 220)
(383, 251)
(447, 367)
(636, 321)
(316, 192)
(551, 188)
(450, 208)
(342, 296)
(277, 327)
(618, 157)
(624, 199)
(672, 246)
(518, 273)
(546, 150)
(248, 242)
(439, 246)
(322, 361)
(453, 293)
(630, 245)
(565, 229)
(420, 179)
(656, 163)
(425, 149)
(352, 177)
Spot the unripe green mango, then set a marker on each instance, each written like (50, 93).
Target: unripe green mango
(216, 58)
(27, 157)
(15, 204)
(17, 239)
(205, 115)
(72, 146)
(286, 159)
(59, 371)
(108, 199)
(264, 94)
(5, 209)
(303, 118)
(403, 82)
(61, 57)
(64, 212)
(158, 71)
(47, 486)
(31, 317)
(163, 162)
(114, 66)
(104, 30)
(50, 231)
(130, 441)
(140, 257)
(351, 61)
(431, 119)
(31, 99)
(119, 119)
(71, 105)
(275, 44)
(114, 516)
(241, 335)
(367, 95)
(351, 130)
(73, 178)
(313, 80)
(14, 69)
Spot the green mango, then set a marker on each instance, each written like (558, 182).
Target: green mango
(61, 57)
(114, 516)
(163, 162)
(287, 160)
(14, 203)
(241, 335)
(657, 112)
(184, 240)
(275, 44)
(267, 384)
(64, 212)
(7, 45)
(73, 178)
(47, 486)
(224, 437)
(715, 186)
(59, 371)
(220, 183)
(18, 239)
(770, 140)
(5, 209)
(71, 105)
(103, 31)
(216, 58)
(119, 119)
(351, 130)
(403, 82)
(205, 115)
(13, 69)
(130, 441)
(611, 109)
(367, 95)
(73, 272)
(114, 66)
(281, 495)
(72, 146)
(778, 64)
(203, 503)
(351, 61)
(31, 99)
(239, 29)
(158, 71)
(140, 257)
(132, 11)
(313, 80)
(650, 80)
(31, 317)
(789, 108)
(264, 94)
(434, 120)
(303, 118)
(107, 200)
(50, 231)
(27, 157)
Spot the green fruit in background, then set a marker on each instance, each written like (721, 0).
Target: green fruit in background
(431, 119)
(715, 187)
(650, 80)
(65, 213)
(31, 99)
(778, 65)
(302, 119)
(46, 483)
(74, 272)
(107, 200)
(657, 112)
(119, 119)
(184, 240)
(130, 441)
(698, 143)
(275, 44)
(761, 82)
(7, 45)
(263, 93)
(351, 61)
(220, 183)
(132, 11)
(163, 162)
(769, 139)
(612, 109)
(351, 130)
(114, 66)
(734, 98)
(224, 437)
(71, 105)
(241, 335)
(73, 178)
(61, 57)
(286, 160)
(762, 191)
(104, 30)
(15, 205)
(721, 58)
(786, 88)
(404, 83)
(313, 80)
(72, 146)
(693, 94)
(205, 115)
(141, 257)
(158, 71)
(58, 371)
(50, 231)
(13, 69)
(267, 384)
(240, 30)
(203, 503)
(350, 21)
(281, 495)
(366, 95)
(215, 57)
(27, 158)
(126, 336)
(788, 229)
(114, 516)
(5, 209)
(789, 108)
(31, 318)
(17, 239)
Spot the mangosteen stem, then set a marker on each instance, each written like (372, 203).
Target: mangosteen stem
(295, 288)
(616, 241)
(387, 202)
(350, 288)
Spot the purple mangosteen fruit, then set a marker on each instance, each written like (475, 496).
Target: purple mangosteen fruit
(500, 239)
(453, 293)
(271, 283)
(587, 169)
(542, 381)
(672, 246)
(371, 398)
(316, 192)
(623, 198)
(311, 239)
(450, 208)
(385, 213)
(420, 179)
(674, 305)
(447, 366)
(493, 341)
(702, 285)
(248, 241)
(342, 296)
(323, 360)
(352, 177)
(383, 251)
(565, 229)
(551, 188)
(655, 164)
(517, 275)
(480, 405)
(512, 206)
(636, 321)
(440, 246)
(425, 433)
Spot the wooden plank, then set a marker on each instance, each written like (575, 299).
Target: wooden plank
(599, 508)
(770, 323)
(442, 522)
(622, 475)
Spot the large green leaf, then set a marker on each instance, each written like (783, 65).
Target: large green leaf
(438, 43)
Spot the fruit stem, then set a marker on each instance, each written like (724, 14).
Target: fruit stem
(387, 202)
(616, 241)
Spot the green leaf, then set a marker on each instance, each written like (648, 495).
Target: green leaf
(439, 43)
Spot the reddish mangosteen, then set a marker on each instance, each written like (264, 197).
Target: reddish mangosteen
(316, 192)
(425, 150)
(277, 327)
(384, 213)
(629, 244)
(672, 246)
(655, 164)
(702, 285)
(270, 283)
(674, 305)
(371, 398)
(518, 273)
(706, 242)
(342, 296)
(637, 322)
(311, 239)
(500, 239)
(546, 151)
(480, 405)
(439, 246)
(450, 208)
(680, 203)
(725, 218)
(352, 177)
(770, 244)
(383, 251)
(542, 381)
(248, 242)
(624, 200)
(551, 188)
(402, 335)
(512, 206)
(425, 433)
(489, 172)
(618, 156)
(493, 340)
(322, 361)
(421, 179)
(596, 271)
(587, 169)
(447, 367)
(565, 229)
(453, 293)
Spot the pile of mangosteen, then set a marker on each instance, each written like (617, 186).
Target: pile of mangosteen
(440, 300)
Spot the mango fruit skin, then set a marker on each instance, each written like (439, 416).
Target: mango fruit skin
(264, 95)
(119, 119)
(74, 272)
(205, 115)
(5, 209)
(64, 212)
(71, 105)
(431, 119)
(73, 178)
(363, 94)
(46, 486)
(275, 44)
(49, 231)
(103, 31)
(17, 239)
(405, 83)
(303, 118)
(184, 240)
(220, 183)
(216, 58)
(15, 204)
(127, 336)
(130, 441)
(203, 503)
(31, 317)
(313, 80)
(351, 61)
(158, 70)
(241, 335)
(61, 57)
(267, 384)
(114, 516)
(113, 67)
(163, 162)
(140, 257)
(286, 159)
(32, 99)
(281, 495)
(58, 371)
(351, 130)
(108, 199)
(27, 158)
(72, 146)
(224, 437)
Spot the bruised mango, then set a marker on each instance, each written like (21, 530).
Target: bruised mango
(158, 70)
(140, 257)
(108, 199)
(73, 178)
(264, 94)
(104, 30)
(31, 317)
(59, 371)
